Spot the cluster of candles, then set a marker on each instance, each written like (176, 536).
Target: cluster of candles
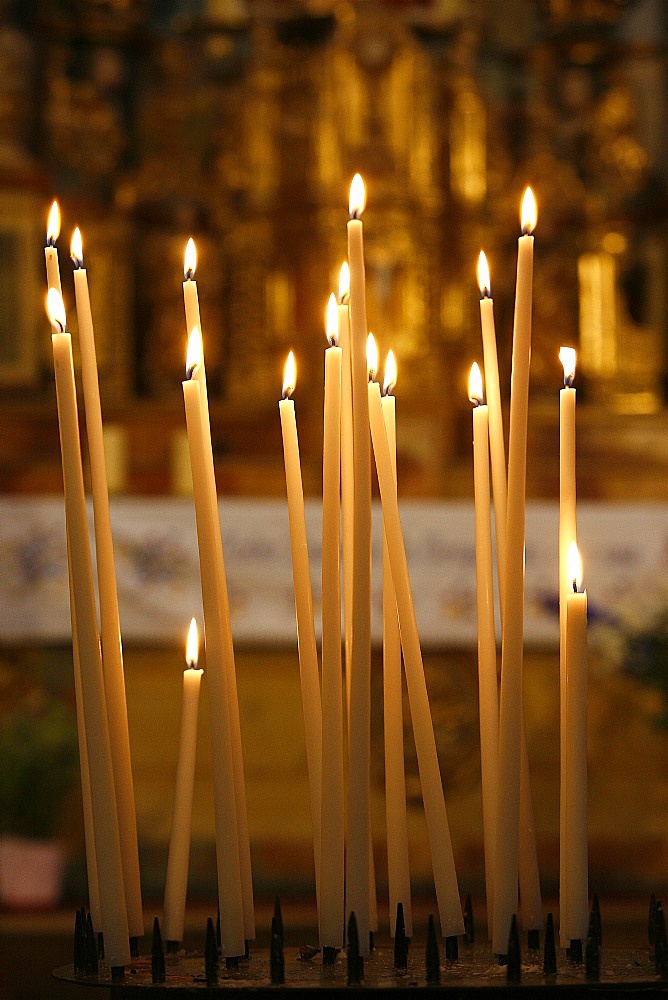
(358, 419)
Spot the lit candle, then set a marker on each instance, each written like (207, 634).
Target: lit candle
(176, 883)
(398, 866)
(50, 250)
(53, 281)
(510, 715)
(577, 875)
(332, 799)
(224, 789)
(359, 741)
(438, 829)
(190, 296)
(487, 680)
(197, 367)
(496, 440)
(301, 575)
(110, 628)
(103, 800)
(567, 535)
(347, 478)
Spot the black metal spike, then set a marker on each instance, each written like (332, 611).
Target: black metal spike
(651, 923)
(355, 960)
(210, 954)
(574, 951)
(451, 948)
(219, 937)
(232, 962)
(432, 958)
(596, 910)
(172, 947)
(370, 940)
(246, 949)
(100, 946)
(660, 949)
(118, 973)
(279, 919)
(592, 951)
(90, 946)
(514, 967)
(134, 947)
(157, 954)
(400, 941)
(469, 926)
(276, 957)
(79, 953)
(550, 953)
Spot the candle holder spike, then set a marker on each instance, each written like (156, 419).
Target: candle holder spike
(276, 956)
(533, 939)
(660, 948)
(278, 916)
(157, 954)
(400, 940)
(550, 951)
(596, 912)
(355, 962)
(574, 951)
(514, 964)
(432, 956)
(91, 948)
(651, 923)
(592, 952)
(210, 954)
(451, 948)
(79, 950)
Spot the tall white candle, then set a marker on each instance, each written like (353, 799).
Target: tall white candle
(359, 740)
(496, 439)
(332, 862)
(176, 883)
(110, 628)
(567, 535)
(506, 870)
(487, 679)
(577, 873)
(197, 366)
(224, 789)
(438, 829)
(398, 865)
(103, 798)
(347, 476)
(301, 575)
(53, 281)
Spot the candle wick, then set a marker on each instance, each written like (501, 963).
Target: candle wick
(569, 379)
(57, 323)
(486, 293)
(333, 340)
(50, 241)
(78, 263)
(575, 586)
(344, 299)
(190, 371)
(189, 274)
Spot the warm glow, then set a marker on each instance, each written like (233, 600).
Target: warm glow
(190, 260)
(567, 358)
(53, 224)
(332, 320)
(357, 197)
(76, 248)
(194, 352)
(344, 282)
(289, 376)
(483, 275)
(475, 384)
(192, 644)
(371, 356)
(56, 310)
(529, 213)
(390, 379)
(574, 567)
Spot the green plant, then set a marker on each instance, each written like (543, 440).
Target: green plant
(39, 758)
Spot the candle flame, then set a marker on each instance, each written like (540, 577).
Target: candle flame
(483, 275)
(56, 310)
(344, 282)
(567, 358)
(574, 567)
(194, 351)
(76, 248)
(371, 356)
(332, 321)
(357, 199)
(190, 260)
(529, 212)
(390, 379)
(192, 644)
(53, 224)
(289, 375)
(475, 385)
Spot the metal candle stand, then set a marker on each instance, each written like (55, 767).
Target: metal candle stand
(640, 972)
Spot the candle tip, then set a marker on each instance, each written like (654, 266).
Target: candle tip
(56, 310)
(190, 260)
(289, 375)
(371, 356)
(390, 379)
(344, 283)
(53, 224)
(483, 276)
(194, 351)
(357, 200)
(76, 249)
(529, 213)
(475, 385)
(567, 358)
(192, 644)
(332, 321)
